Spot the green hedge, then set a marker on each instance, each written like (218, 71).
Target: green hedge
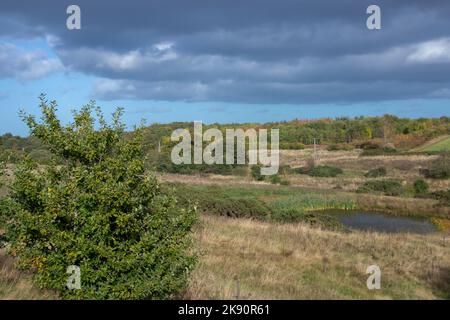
(377, 172)
(387, 187)
(325, 171)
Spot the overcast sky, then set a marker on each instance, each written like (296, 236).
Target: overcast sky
(226, 61)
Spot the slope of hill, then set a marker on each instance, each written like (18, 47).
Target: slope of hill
(438, 144)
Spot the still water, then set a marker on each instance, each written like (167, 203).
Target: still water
(373, 221)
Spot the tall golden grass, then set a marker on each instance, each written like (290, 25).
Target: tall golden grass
(248, 259)
(18, 285)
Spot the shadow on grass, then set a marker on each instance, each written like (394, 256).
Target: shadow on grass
(440, 282)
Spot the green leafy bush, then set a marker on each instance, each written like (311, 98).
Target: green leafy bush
(388, 187)
(100, 210)
(275, 179)
(339, 147)
(443, 196)
(325, 171)
(216, 202)
(256, 173)
(377, 172)
(316, 219)
(421, 187)
(373, 149)
(235, 207)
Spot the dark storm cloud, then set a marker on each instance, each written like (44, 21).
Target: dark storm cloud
(248, 51)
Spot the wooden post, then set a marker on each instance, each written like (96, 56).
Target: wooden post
(315, 157)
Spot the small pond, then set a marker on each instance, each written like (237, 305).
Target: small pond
(375, 221)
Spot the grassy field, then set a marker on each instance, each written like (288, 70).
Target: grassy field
(247, 259)
(256, 240)
(439, 144)
(443, 145)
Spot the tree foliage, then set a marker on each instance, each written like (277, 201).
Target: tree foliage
(95, 206)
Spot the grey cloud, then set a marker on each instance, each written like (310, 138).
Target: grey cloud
(258, 51)
(269, 93)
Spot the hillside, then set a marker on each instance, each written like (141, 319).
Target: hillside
(335, 134)
(439, 144)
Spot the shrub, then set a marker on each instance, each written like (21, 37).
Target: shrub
(373, 149)
(339, 147)
(325, 171)
(443, 196)
(316, 219)
(100, 210)
(333, 147)
(235, 207)
(420, 187)
(440, 168)
(217, 202)
(275, 179)
(300, 170)
(369, 145)
(388, 187)
(292, 146)
(375, 173)
(256, 173)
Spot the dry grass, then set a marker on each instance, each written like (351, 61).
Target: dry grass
(299, 158)
(406, 168)
(17, 285)
(245, 259)
(254, 260)
(402, 206)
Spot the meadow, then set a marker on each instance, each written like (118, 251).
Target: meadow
(265, 241)
(443, 145)
(438, 144)
(248, 259)
(275, 237)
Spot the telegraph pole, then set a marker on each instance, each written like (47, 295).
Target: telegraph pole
(315, 157)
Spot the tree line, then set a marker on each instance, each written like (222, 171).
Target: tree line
(295, 134)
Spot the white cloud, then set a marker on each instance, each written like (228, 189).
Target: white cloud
(130, 61)
(109, 86)
(26, 65)
(435, 51)
(163, 46)
(443, 93)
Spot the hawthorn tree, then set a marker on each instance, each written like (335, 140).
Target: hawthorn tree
(96, 207)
